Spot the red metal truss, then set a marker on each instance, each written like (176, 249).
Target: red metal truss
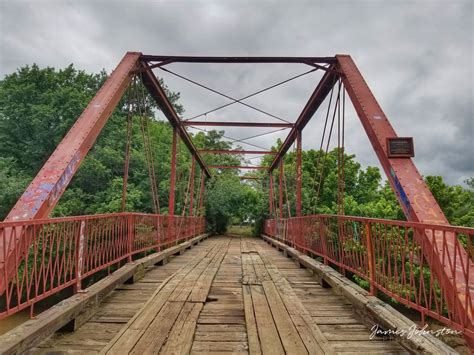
(238, 124)
(152, 84)
(260, 152)
(203, 59)
(413, 194)
(316, 99)
(237, 167)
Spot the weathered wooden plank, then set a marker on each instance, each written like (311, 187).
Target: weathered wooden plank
(185, 286)
(270, 342)
(311, 335)
(180, 339)
(249, 277)
(136, 327)
(288, 334)
(220, 328)
(202, 287)
(336, 320)
(251, 324)
(223, 312)
(221, 320)
(366, 346)
(216, 346)
(260, 270)
(155, 335)
(221, 336)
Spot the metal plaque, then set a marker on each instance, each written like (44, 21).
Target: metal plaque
(400, 147)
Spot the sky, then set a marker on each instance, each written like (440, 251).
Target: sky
(416, 56)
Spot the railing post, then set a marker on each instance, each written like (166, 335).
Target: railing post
(130, 229)
(298, 173)
(322, 236)
(80, 256)
(370, 259)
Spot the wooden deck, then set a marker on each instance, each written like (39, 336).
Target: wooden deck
(227, 294)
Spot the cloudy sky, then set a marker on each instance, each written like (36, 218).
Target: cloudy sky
(417, 57)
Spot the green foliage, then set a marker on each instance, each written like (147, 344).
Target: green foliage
(364, 193)
(456, 202)
(228, 200)
(12, 184)
(37, 107)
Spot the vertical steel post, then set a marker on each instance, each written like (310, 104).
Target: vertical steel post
(370, 259)
(298, 173)
(191, 187)
(80, 256)
(173, 173)
(171, 229)
(201, 191)
(280, 183)
(127, 158)
(270, 195)
(130, 233)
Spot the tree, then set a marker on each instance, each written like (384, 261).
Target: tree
(456, 202)
(37, 108)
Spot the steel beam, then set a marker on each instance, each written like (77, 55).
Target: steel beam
(203, 59)
(152, 84)
(237, 124)
(237, 167)
(280, 188)
(270, 195)
(171, 198)
(298, 173)
(201, 191)
(322, 90)
(191, 187)
(414, 196)
(259, 152)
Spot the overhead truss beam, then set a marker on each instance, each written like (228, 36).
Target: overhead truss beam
(238, 124)
(153, 85)
(316, 99)
(259, 152)
(237, 167)
(204, 59)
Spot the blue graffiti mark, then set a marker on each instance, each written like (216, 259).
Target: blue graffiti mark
(401, 192)
(36, 198)
(65, 177)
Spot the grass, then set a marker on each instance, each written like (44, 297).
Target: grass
(241, 230)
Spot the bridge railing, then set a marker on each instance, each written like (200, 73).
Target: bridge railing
(390, 257)
(73, 252)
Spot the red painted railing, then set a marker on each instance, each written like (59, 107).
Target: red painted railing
(65, 252)
(389, 256)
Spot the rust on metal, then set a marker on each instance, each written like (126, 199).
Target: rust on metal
(237, 167)
(259, 152)
(238, 124)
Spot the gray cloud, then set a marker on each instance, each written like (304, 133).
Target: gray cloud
(416, 56)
